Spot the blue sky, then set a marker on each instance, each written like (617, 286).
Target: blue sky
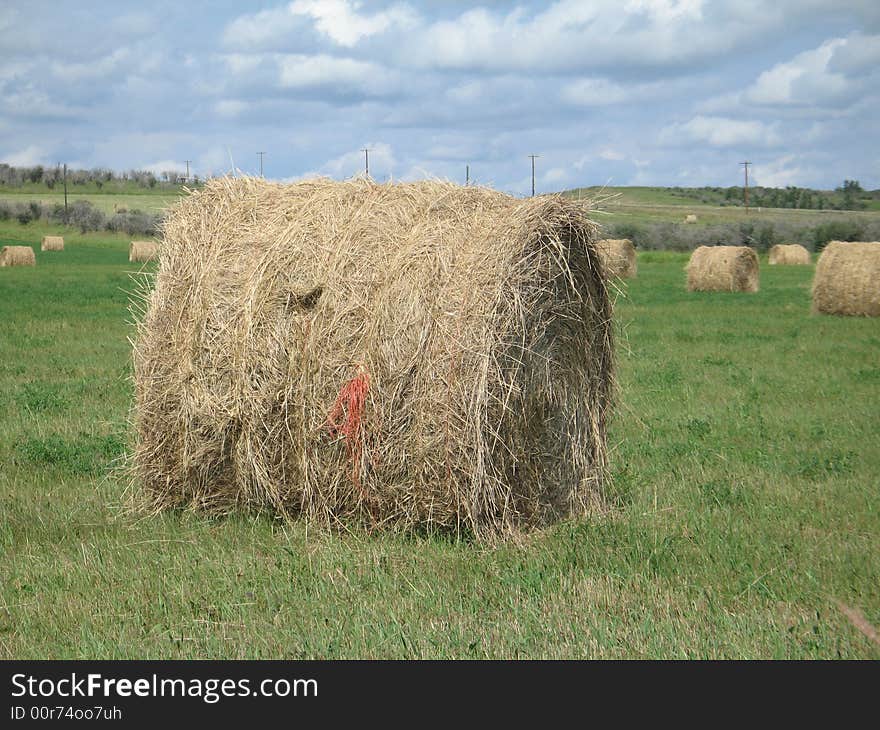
(622, 92)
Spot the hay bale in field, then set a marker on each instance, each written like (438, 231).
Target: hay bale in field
(17, 256)
(418, 355)
(847, 279)
(52, 243)
(789, 254)
(618, 256)
(690, 218)
(142, 251)
(723, 268)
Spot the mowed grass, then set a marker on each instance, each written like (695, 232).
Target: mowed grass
(746, 455)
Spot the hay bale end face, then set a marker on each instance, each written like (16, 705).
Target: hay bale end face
(17, 256)
(690, 218)
(142, 251)
(419, 355)
(723, 268)
(52, 243)
(619, 257)
(790, 254)
(847, 279)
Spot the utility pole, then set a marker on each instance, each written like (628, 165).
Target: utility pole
(261, 162)
(467, 174)
(366, 151)
(66, 217)
(533, 173)
(745, 166)
(187, 169)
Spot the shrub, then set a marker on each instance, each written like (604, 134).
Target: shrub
(836, 231)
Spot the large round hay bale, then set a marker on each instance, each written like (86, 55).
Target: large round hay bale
(723, 268)
(52, 243)
(690, 218)
(142, 251)
(17, 256)
(789, 254)
(847, 279)
(420, 355)
(618, 256)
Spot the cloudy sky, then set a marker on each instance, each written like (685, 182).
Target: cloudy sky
(620, 92)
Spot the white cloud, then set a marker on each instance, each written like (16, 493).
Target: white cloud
(257, 29)
(28, 157)
(230, 107)
(783, 171)
(350, 164)
(160, 166)
(595, 92)
(337, 20)
(91, 70)
(340, 21)
(858, 53)
(803, 80)
(303, 72)
(721, 132)
(830, 77)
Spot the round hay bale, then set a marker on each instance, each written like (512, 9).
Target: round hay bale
(723, 268)
(420, 355)
(142, 251)
(792, 254)
(619, 257)
(17, 256)
(52, 243)
(690, 218)
(847, 279)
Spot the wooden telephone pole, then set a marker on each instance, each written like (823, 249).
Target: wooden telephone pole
(745, 166)
(533, 173)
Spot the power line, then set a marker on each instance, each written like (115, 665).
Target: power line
(533, 173)
(745, 166)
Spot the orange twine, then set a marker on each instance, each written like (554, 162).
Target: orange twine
(346, 416)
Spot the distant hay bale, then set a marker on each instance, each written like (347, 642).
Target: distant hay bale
(723, 268)
(789, 254)
(690, 218)
(847, 279)
(17, 256)
(418, 355)
(618, 256)
(142, 251)
(52, 243)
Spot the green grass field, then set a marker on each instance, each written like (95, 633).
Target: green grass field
(105, 202)
(662, 205)
(746, 457)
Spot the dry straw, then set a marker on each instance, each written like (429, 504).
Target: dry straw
(690, 218)
(419, 355)
(789, 254)
(17, 256)
(52, 243)
(142, 251)
(723, 268)
(618, 256)
(847, 279)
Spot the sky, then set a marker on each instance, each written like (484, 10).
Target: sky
(608, 92)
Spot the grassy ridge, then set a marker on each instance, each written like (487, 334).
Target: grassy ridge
(746, 449)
